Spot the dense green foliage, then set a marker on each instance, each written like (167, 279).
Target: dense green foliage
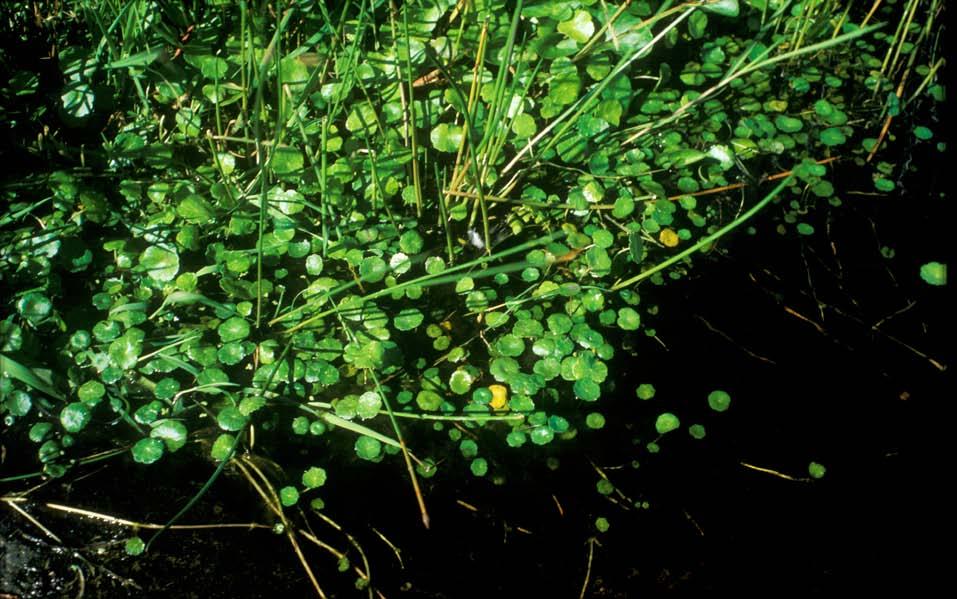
(344, 220)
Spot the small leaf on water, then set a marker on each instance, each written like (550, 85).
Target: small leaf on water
(479, 467)
(816, 470)
(602, 524)
(314, 477)
(222, 446)
(719, 400)
(34, 307)
(147, 451)
(74, 417)
(134, 546)
(725, 8)
(288, 496)
(579, 28)
(934, 273)
(233, 329)
(595, 421)
(368, 448)
(171, 432)
(230, 419)
(645, 391)
(666, 422)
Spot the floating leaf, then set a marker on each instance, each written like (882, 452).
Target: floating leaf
(314, 478)
(368, 448)
(368, 405)
(91, 392)
(288, 496)
(479, 467)
(286, 160)
(161, 263)
(595, 421)
(666, 422)
(579, 28)
(148, 451)
(725, 8)
(499, 396)
(77, 99)
(934, 273)
(222, 447)
(134, 546)
(816, 470)
(171, 432)
(195, 209)
(629, 319)
(446, 138)
(602, 524)
(233, 329)
(645, 391)
(523, 126)
(34, 307)
(719, 400)
(231, 419)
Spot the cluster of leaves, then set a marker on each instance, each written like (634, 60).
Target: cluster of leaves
(361, 217)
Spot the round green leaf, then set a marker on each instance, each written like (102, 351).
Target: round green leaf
(595, 421)
(18, 403)
(697, 431)
(194, 209)
(147, 451)
(166, 388)
(934, 273)
(161, 263)
(816, 470)
(629, 319)
(368, 405)
(407, 319)
(428, 400)
(542, 435)
(314, 477)
(579, 28)
(524, 126)
(34, 307)
(134, 546)
(222, 447)
(286, 160)
(373, 269)
(719, 400)
(587, 389)
(368, 448)
(602, 524)
(74, 417)
(233, 329)
(510, 345)
(91, 392)
(171, 432)
(666, 422)
(288, 496)
(461, 381)
(230, 419)
(446, 138)
(479, 467)
(469, 448)
(832, 136)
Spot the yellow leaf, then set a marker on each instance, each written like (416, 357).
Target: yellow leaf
(499, 396)
(668, 238)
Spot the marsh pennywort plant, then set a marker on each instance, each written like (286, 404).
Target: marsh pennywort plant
(285, 225)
